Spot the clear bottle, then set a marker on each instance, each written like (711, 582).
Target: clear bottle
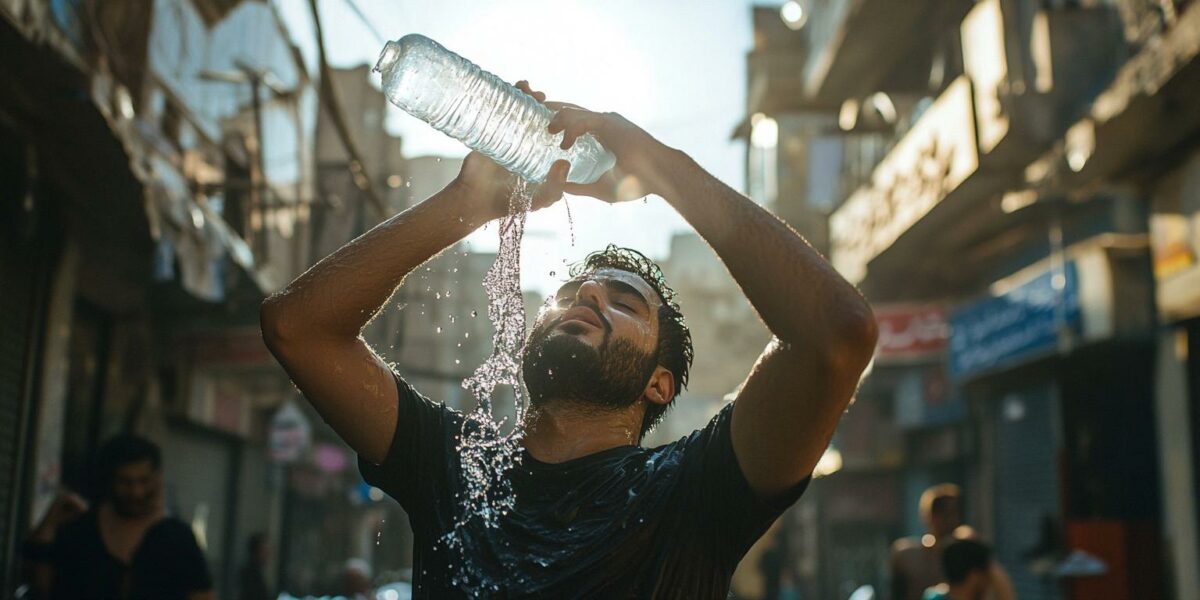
(479, 109)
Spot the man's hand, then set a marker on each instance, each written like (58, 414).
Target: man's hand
(66, 508)
(638, 153)
(488, 187)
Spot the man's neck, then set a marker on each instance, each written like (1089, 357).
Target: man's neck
(558, 431)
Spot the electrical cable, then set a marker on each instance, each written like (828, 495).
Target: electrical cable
(358, 170)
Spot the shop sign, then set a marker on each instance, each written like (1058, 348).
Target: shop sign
(1172, 244)
(924, 397)
(985, 61)
(290, 434)
(929, 162)
(910, 332)
(1024, 322)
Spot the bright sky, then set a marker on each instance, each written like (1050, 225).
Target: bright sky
(675, 67)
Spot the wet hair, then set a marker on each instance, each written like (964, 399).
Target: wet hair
(961, 557)
(124, 449)
(674, 350)
(937, 499)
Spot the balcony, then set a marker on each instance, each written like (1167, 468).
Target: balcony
(863, 46)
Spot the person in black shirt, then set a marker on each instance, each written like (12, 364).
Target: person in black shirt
(595, 515)
(124, 548)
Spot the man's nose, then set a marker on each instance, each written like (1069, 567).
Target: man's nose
(590, 292)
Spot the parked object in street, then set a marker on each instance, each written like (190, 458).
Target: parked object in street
(482, 111)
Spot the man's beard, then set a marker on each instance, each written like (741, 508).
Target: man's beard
(132, 508)
(558, 366)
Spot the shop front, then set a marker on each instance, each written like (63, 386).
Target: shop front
(1056, 365)
(1175, 240)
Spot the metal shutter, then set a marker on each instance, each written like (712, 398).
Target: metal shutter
(1027, 482)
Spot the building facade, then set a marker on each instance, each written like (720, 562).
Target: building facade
(1022, 171)
(157, 185)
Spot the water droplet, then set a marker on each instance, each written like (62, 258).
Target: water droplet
(439, 329)
(457, 361)
(437, 296)
(474, 314)
(467, 334)
(552, 273)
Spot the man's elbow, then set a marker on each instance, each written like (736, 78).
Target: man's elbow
(855, 346)
(278, 330)
(857, 336)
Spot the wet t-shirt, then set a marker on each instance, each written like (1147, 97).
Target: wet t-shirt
(627, 522)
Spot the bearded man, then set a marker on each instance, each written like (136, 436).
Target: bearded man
(595, 514)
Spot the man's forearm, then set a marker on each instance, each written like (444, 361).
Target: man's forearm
(800, 297)
(339, 295)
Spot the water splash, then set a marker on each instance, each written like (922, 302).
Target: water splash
(570, 221)
(485, 451)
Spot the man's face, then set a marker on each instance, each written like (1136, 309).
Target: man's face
(595, 341)
(945, 519)
(135, 489)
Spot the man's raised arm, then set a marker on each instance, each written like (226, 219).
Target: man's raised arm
(824, 331)
(314, 326)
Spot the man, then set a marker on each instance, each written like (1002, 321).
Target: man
(595, 515)
(971, 574)
(917, 564)
(126, 547)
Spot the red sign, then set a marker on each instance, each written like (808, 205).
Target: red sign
(911, 331)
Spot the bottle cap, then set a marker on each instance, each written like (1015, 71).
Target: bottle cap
(391, 52)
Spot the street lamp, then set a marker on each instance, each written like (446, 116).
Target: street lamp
(794, 14)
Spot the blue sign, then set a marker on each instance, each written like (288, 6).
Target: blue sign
(1024, 322)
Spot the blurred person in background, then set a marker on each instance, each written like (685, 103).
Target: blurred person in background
(123, 548)
(252, 579)
(917, 563)
(596, 514)
(355, 581)
(971, 574)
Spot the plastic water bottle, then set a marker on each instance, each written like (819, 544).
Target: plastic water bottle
(482, 111)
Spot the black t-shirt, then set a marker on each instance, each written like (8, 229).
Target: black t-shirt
(168, 564)
(666, 522)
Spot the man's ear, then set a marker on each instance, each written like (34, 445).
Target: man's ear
(661, 387)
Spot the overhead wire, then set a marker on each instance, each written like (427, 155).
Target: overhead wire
(362, 16)
(358, 170)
